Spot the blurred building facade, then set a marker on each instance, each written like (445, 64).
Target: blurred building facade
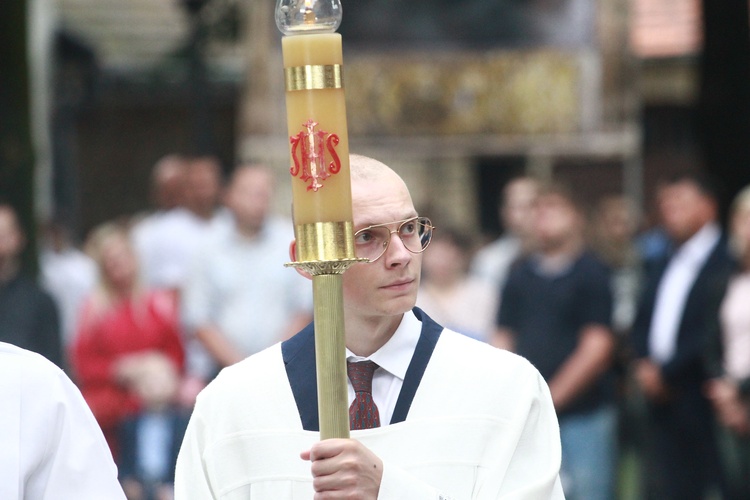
(135, 80)
(457, 95)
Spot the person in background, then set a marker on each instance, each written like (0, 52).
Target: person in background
(169, 191)
(122, 324)
(614, 230)
(652, 241)
(493, 262)
(173, 239)
(66, 273)
(239, 298)
(52, 447)
(449, 294)
(678, 310)
(28, 315)
(729, 390)
(613, 238)
(556, 312)
(151, 439)
(445, 416)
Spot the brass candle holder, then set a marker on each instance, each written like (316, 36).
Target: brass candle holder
(326, 251)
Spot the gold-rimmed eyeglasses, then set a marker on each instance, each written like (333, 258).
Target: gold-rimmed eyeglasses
(371, 242)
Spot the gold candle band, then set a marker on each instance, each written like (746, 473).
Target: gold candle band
(325, 241)
(314, 77)
(325, 247)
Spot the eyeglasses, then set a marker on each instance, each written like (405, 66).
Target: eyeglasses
(371, 242)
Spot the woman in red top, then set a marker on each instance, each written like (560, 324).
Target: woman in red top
(121, 324)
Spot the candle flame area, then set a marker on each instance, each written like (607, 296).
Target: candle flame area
(308, 16)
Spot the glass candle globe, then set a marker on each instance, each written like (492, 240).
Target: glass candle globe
(308, 16)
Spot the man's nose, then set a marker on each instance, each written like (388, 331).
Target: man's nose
(396, 253)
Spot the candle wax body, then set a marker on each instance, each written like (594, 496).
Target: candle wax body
(333, 201)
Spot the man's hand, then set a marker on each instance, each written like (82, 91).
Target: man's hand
(648, 376)
(344, 468)
(731, 410)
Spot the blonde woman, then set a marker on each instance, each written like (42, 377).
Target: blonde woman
(121, 326)
(730, 393)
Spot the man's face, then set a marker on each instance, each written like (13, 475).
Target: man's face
(249, 197)
(203, 184)
(171, 185)
(518, 206)
(11, 239)
(684, 210)
(556, 220)
(388, 286)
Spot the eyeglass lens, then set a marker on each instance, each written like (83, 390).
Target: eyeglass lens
(372, 242)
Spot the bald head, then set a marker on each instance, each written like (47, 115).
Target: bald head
(366, 171)
(366, 168)
(374, 186)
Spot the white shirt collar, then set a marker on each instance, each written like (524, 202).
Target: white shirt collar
(699, 246)
(396, 354)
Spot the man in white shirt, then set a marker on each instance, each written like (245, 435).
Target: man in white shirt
(238, 297)
(68, 274)
(168, 240)
(672, 329)
(452, 417)
(52, 448)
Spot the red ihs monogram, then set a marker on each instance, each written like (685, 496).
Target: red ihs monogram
(309, 149)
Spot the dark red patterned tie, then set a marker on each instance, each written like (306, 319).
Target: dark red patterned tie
(363, 414)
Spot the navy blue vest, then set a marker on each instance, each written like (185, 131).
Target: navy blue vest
(299, 360)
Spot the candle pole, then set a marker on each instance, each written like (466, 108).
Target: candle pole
(321, 186)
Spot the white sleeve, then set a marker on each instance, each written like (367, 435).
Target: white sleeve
(191, 480)
(64, 455)
(534, 469)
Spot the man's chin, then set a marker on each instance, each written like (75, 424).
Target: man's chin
(405, 305)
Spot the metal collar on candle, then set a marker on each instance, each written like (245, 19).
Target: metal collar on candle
(315, 77)
(325, 247)
(322, 241)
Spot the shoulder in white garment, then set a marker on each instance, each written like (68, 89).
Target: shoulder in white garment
(52, 446)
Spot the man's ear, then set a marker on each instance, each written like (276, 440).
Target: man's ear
(293, 257)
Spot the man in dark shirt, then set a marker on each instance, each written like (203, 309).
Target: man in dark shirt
(28, 315)
(555, 311)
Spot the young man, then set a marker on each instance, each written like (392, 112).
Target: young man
(556, 311)
(459, 419)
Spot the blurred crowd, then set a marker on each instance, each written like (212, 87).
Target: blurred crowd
(638, 322)
(151, 306)
(639, 325)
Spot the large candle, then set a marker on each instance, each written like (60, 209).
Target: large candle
(316, 118)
